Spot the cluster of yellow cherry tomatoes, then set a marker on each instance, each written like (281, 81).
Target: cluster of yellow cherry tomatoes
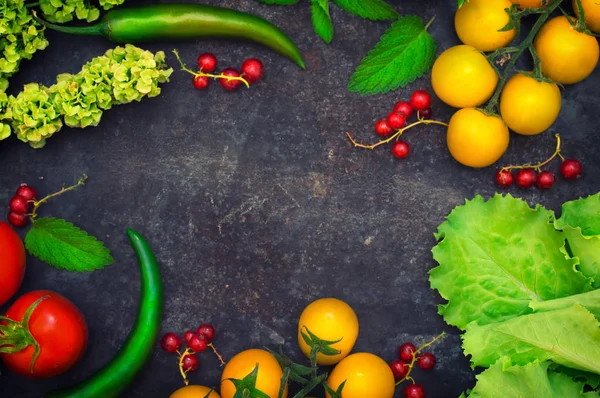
(463, 77)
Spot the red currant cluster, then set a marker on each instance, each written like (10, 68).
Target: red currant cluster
(19, 206)
(402, 367)
(252, 71)
(530, 175)
(196, 343)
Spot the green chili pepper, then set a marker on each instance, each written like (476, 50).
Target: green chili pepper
(185, 21)
(117, 375)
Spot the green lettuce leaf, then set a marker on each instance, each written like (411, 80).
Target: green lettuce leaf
(582, 213)
(569, 337)
(529, 381)
(589, 300)
(586, 249)
(498, 256)
(590, 379)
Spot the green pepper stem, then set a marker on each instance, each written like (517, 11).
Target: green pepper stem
(93, 30)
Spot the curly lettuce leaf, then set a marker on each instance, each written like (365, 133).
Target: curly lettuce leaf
(587, 250)
(589, 300)
(532, 381)
(498, 256)
(568, 337)
(592, 380)
(582, 213)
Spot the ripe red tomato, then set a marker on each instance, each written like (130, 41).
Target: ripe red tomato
(60, 330)
(12, 262)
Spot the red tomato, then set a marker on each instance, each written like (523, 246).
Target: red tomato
(58, 327)
(12, 262)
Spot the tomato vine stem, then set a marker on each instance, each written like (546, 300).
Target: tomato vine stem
(518, 50)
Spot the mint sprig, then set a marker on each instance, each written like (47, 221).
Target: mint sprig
(405, 52)
(375, 10)
(321, 19)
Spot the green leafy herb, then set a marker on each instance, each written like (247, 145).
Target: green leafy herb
(405, 52)
(65, 246)
(376, 10)
(279, 2)
(322, 20)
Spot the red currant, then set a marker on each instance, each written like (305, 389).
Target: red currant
(207, 62)
(406, 351)
(399, 368)
(206, 330)
(396, 120)
(414, 391)
(187, 336)
(545, 180)
(404, 108)
(230, 85)
(382, 128)
(401, 149)
(253, 70)
(571, 169)
(424, 113)
(420, 100)
(170, 342)
(190, 362)
(18, 205)
(27, 192)
(426, 361)
(17, 220)
(504, 178)
(201, 82)
(525, 178)
(198, 343)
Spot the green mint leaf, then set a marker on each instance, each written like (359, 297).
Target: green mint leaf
(582, 213)
(496, 257)
(322, 20)
(533, 380)
(405, 52)
(568, 337)
(65, 246)
(279, 2)
(375, 10)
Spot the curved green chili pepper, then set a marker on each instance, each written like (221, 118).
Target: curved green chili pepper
(185, 21)
(117, 375)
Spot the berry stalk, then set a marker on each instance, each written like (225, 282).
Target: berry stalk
(208, 75)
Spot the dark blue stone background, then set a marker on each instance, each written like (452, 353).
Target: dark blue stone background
(256, 204)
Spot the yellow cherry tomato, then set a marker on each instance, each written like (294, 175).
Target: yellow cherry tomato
(592, 13)
(476, 139)
(478, 23)
(242, 364)
(567, 56)
(194, 392)
(366, 375)
(462, 77)
(329, 319)
(523, 4)
(528, 106)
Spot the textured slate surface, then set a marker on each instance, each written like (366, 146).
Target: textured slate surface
(256, 204)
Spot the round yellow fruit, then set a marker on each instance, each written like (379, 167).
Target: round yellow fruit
(476, 139)
(478, 23)
(528, 106)
(592, 13)
(329, 319)
(462, 77)
(194, 392)
(242, 364)
(567, 56)
(523, 4)
(366, 375)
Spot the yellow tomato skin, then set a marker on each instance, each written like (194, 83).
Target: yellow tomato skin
(476, 139)
(366, 375)
(462, 77)
(529, 107)
(238, 367)
(329, 319)
(592, 13)
(477, 23)
(523, 4)
(194, 392)
(567, 56)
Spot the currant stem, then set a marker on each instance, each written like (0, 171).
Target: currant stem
(211, 345)
(183, 372)
(414, 358)
(200, 73)
(37, 203)
(544, 14)
(395, 135)
(541, 164)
